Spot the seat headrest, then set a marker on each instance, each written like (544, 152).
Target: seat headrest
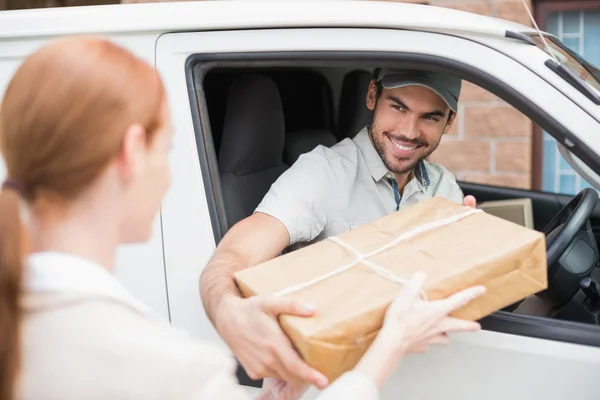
(305, 140)
(353, 112)
(254, 128)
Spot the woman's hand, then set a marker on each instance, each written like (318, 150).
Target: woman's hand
(416, 321)
(411, 325)
(276, 389)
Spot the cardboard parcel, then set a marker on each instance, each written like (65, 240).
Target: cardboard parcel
(354, 276)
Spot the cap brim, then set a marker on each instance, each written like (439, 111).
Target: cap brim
(392, 82)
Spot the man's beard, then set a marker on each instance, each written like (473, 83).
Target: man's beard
(378, 139)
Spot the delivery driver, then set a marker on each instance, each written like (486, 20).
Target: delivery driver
(326, 192)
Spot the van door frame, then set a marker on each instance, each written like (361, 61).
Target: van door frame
(238, 51)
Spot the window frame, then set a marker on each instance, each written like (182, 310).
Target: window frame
(197, 66)
(541, 10)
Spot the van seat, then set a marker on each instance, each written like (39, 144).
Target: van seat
(353, 114)
(305, 140)
(251, 151)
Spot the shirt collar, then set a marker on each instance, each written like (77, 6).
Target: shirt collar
(68, 274)
(376, 166)
(374, 162)
(422, 174)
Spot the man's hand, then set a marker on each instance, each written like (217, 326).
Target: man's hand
(250, 328)
(470, 201)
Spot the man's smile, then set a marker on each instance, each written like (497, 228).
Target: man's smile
(403, 148)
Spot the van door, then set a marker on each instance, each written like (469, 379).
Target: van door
(515, 356)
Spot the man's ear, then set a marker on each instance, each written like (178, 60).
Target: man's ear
(449, 123)
(371, 95)
(132, 158)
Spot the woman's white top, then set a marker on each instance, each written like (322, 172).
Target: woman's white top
(85, 337)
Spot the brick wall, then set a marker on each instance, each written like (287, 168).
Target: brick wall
(490, 141)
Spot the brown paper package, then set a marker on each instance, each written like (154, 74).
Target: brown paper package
(508, 259)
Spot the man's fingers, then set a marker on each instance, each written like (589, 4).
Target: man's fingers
(275, 305)
(285, 375)
(470, 201)
(300, 371)
(287, 365)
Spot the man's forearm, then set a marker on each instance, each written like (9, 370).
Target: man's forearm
(216, 281)
(251, 241)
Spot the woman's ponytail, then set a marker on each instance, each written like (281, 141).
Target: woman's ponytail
(12, 252)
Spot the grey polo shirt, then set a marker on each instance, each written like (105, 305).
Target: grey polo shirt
(331, 190)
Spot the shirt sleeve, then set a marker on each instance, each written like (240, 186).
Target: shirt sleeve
(303, 197)
(446, 185)
(457, 194)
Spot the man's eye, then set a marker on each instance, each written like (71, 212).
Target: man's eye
(434, 119)
(397, 107)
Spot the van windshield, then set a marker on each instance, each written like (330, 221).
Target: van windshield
(570, 59)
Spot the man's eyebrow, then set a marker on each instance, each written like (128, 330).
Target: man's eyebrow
(434, 113)
(398, 101)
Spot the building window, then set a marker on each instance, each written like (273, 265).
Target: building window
(577, 25)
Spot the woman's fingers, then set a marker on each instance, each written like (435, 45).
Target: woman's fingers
(449, 324)
(418, 348)
(408, 294)
(461, 299)
(440, 338)
(423, 345)
(421, 323)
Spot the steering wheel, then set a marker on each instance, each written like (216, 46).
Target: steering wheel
(571, 249)
(563, 228)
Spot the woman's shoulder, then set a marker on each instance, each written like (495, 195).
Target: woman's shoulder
(102, 343)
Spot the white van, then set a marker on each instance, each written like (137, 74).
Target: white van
(229, 148)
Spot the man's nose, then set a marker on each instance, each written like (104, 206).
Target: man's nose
(411, 127)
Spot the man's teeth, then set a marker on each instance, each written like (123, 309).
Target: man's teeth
(405, 148)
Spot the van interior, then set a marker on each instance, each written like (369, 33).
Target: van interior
(263, 119)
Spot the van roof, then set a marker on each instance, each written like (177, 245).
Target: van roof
(252, 14)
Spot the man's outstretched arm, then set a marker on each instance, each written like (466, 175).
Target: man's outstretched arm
(294, 210)
(251, 241)
(250, 326)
